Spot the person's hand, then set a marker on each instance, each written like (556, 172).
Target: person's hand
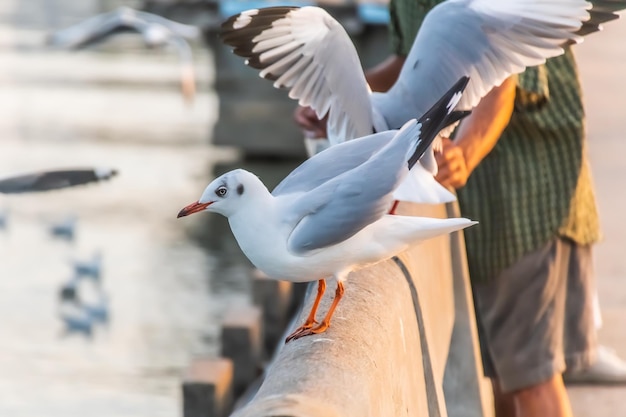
(306, 118)
(453, 170)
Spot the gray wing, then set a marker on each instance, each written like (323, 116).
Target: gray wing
(96, 28)
(180, 29)
(332, 162)
(483, 39)
(342, 206)
(52, 180)
(307, 51)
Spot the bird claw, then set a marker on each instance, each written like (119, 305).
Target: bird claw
(306, 330)
(296, 333)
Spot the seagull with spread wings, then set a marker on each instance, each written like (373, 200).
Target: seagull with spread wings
(306, 51)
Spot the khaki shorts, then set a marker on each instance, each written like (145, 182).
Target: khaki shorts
(536, 318)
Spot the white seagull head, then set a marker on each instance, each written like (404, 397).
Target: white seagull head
(227, 194)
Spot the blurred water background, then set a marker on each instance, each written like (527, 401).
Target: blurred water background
(117, 105)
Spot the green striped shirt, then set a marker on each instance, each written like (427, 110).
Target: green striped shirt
(536, 182)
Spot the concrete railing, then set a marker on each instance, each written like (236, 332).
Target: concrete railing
(402, 343)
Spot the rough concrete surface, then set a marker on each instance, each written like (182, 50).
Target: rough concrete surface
(602, 60)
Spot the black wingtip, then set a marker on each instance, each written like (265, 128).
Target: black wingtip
(437, 117)
(456, 116)
(261, 20)
(602, 11)
(460, 85)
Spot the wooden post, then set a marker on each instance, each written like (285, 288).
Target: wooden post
(208, 388)
(273, 298)
(241, 342)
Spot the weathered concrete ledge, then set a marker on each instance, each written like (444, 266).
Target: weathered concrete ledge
(389, 345)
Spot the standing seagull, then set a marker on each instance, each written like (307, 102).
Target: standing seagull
(155, 30)
(328, 216)
(4, 217)
(72, 311)
(90, 268)
(308, 52)
(65, 228)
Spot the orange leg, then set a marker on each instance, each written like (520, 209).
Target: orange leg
(394, 207)
(310, 320)
(326, 322)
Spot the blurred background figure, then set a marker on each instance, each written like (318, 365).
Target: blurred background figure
(89, 268)
(73, 314)
(4, 218)
(65, 228)
(90, 295)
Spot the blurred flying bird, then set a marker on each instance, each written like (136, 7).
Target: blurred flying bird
(155, 31)
(53, 179)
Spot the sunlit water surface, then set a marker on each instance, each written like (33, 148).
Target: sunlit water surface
(166, 288)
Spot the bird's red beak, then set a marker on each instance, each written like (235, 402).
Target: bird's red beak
(193, 208)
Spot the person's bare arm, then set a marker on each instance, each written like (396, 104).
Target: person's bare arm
(384, 75)
(476, 136)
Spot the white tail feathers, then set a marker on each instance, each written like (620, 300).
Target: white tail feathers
(421, 187)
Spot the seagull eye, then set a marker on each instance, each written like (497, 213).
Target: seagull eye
(221, 192)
